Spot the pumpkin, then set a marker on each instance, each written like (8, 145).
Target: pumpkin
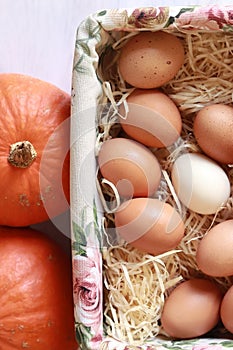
(34, 150)
(35, 292)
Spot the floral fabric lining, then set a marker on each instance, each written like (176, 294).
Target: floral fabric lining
(92, 36)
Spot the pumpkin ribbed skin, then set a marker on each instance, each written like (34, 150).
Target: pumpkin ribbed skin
(35, 293)
(38, 112)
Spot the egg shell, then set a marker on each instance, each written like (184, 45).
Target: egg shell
(150, 59)
(200, 183)
(130, 166)
(152, 118)
(214, 252)
(149, 225)
(216, 121)
(226, 310)
(192, 309)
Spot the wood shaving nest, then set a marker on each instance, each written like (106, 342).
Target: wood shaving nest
(136, 284)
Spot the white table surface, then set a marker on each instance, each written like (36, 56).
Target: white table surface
(37, 36)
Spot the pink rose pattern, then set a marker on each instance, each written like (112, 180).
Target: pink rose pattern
(87, 291)
(207, 18)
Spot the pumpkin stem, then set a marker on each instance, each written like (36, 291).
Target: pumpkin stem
(21, 154)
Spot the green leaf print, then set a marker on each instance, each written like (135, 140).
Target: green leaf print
(172, 19)
(93, 31)
(78, 67)
(102, 13)
(227, 344)
(83, 230)
(83, 335)
(227, 28)
(179, 344)
(79, 234)
(79, 250)
(98, 230)
(185, 9)
(83, 46)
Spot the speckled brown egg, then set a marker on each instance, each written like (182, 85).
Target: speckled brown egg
(213, 130)
(150, 59)
(152, 118)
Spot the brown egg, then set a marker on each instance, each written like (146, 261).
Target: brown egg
(213, 130)
(149, 225)
(152, 119)
(214, 252)
(130, 166)
(192, 309)
(150, 59)
(226, 310)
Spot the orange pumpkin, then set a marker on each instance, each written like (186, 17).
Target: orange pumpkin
(34, 150)
(35, 292)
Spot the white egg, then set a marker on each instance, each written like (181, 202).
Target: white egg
(200, 183)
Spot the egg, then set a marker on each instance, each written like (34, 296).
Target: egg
(214, 252)
(226, 310)
(200, 183)
(149, 225)
(192, 309)
(150, 59)
(130, 166)
(216, 121)
(152, 118)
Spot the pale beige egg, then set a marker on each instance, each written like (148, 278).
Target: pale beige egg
(201, 184)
